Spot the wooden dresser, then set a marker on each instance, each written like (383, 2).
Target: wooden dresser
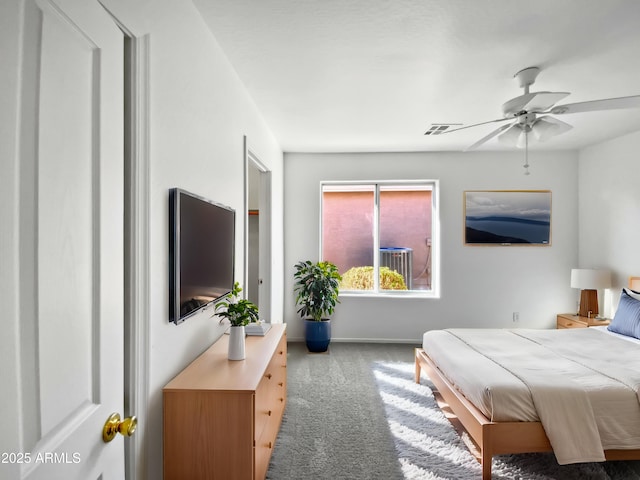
(221, 417)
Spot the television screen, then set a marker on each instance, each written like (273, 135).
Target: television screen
(201, 250)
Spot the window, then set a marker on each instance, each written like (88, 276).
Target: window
(398, 220)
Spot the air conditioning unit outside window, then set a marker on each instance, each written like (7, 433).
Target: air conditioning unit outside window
(399, 259)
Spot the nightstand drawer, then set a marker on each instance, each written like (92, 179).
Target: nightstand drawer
(568, 322)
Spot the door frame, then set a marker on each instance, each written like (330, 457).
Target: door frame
(137, 260)
(251, 160)
(136, 242)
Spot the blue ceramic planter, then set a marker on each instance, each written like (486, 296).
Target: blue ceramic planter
(317, 335)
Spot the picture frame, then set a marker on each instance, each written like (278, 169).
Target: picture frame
(507, 217)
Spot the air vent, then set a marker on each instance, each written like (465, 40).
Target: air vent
(438, 128)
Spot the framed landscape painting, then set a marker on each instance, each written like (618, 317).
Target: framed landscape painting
(507, 217)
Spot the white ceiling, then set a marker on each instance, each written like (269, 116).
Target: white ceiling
(373, 75)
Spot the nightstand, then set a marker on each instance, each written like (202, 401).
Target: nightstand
(571, 320)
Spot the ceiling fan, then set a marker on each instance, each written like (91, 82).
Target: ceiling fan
(531, 112)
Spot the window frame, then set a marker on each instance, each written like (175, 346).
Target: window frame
(434, 292)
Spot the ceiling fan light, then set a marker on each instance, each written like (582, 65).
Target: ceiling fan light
(522, 139)
(542, 131)
(511, 135)
(548, 127)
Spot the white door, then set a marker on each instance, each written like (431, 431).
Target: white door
(71, 365)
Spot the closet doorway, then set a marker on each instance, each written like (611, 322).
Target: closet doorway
(257, 233)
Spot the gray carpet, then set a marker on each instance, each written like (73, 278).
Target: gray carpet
(334, 425)
(355, 413)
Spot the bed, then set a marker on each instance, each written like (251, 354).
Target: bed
(586, 409)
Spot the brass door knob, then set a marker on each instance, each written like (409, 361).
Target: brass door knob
(115, 425)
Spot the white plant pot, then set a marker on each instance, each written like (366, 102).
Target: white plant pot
(236, 343)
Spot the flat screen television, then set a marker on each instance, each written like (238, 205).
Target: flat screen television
(201, 253)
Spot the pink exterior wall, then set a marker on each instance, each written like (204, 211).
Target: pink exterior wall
(347, 215)
(405, 221)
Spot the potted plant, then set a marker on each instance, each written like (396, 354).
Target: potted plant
(239, 312)
(317, 287)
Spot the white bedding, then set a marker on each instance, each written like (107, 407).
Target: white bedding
(582, 384)
(603, 328)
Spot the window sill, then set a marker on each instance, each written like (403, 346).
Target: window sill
(412, 295)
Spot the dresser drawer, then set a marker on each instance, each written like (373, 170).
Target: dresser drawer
(271, 394)
(263, 407)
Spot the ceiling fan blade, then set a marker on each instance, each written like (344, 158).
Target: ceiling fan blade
(597, 105)
(486, 138)
(547, 127)
(512, 135)
(532, 102)
(469, 126)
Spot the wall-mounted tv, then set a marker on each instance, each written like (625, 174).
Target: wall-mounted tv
(201, 253)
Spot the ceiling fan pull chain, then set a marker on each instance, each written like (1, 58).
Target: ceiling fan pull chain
(526, 153)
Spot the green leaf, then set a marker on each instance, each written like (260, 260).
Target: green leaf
(317, 288)
(237, 311)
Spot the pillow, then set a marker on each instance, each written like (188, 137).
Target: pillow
(632, 293)
(626, 321)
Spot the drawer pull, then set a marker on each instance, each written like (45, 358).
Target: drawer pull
(281, 399)
(269, 413)
(268, 375)
(270, 445)
(280, 384)
(281, 352)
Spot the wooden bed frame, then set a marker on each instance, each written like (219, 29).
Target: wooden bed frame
(498, 438)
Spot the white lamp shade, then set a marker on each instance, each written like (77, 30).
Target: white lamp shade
(547, 127)
(511, 135)
(590, 279)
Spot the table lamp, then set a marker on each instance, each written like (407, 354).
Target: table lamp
(589, 280)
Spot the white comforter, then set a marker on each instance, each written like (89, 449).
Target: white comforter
(583, 385)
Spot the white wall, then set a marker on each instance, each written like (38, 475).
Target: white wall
(200, 112)
(481, 286)
(609, 212)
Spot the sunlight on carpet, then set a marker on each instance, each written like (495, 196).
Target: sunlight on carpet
(429, 448)
(427, 445)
